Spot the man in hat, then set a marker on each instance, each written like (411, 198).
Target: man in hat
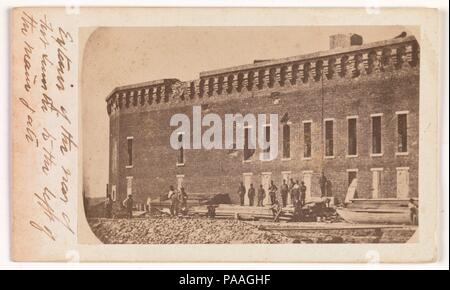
(251, 195)
(261, 195)
(183, 197)
(128, 205)
(284, 193)
(323, 182)
(241, 192)
(173, 197)
(108, 206)
(273, 192)
(302, 193)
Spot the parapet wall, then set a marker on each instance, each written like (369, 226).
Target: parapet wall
(352, 62)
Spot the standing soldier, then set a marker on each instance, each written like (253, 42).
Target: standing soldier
(284, 192)
(302, 194)
(173, 201)
(296, 191)
(273, 192)
(261, 195)
(241, 192)
(128, 205)
(108, 206)
(251, 195)
(183, 200)
(291, 188)
(323, 184)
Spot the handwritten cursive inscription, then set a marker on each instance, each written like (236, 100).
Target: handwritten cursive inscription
(43, 102)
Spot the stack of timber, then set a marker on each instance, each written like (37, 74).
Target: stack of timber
(194, 199)
(379, 203)
(377, 211)
(243, 212)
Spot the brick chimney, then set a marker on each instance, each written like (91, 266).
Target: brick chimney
(345, 40)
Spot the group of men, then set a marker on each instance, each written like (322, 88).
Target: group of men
(295, 189)
(178, 203)
(178, 200)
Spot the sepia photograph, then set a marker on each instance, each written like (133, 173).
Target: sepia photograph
(270, 136)
(251, 135)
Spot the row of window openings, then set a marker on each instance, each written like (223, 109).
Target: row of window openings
(352, 139)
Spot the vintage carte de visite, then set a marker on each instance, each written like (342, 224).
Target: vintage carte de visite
(225, 134)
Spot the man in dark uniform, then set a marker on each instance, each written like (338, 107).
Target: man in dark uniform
(183, 197)
(273, 192)
(251, 195)
(296, 191)
(128, 205)
(284, 192)
(291, 188)
(302, 193)
(173, 197)
(261, 195)
(241, 192)
(323, 182)
(108, 206)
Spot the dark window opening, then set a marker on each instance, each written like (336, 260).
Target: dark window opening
(286, 141)
(307, 140)
(180, 159)
(267, 138)
(352, 137)
(130, 151)
(402, 129)
(329, 138)
(376, 135)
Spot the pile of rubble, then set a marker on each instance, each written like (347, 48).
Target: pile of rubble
(167, 230)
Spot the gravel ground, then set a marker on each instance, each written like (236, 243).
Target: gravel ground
(166, 230)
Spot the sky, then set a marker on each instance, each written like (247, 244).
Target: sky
(116, 56)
